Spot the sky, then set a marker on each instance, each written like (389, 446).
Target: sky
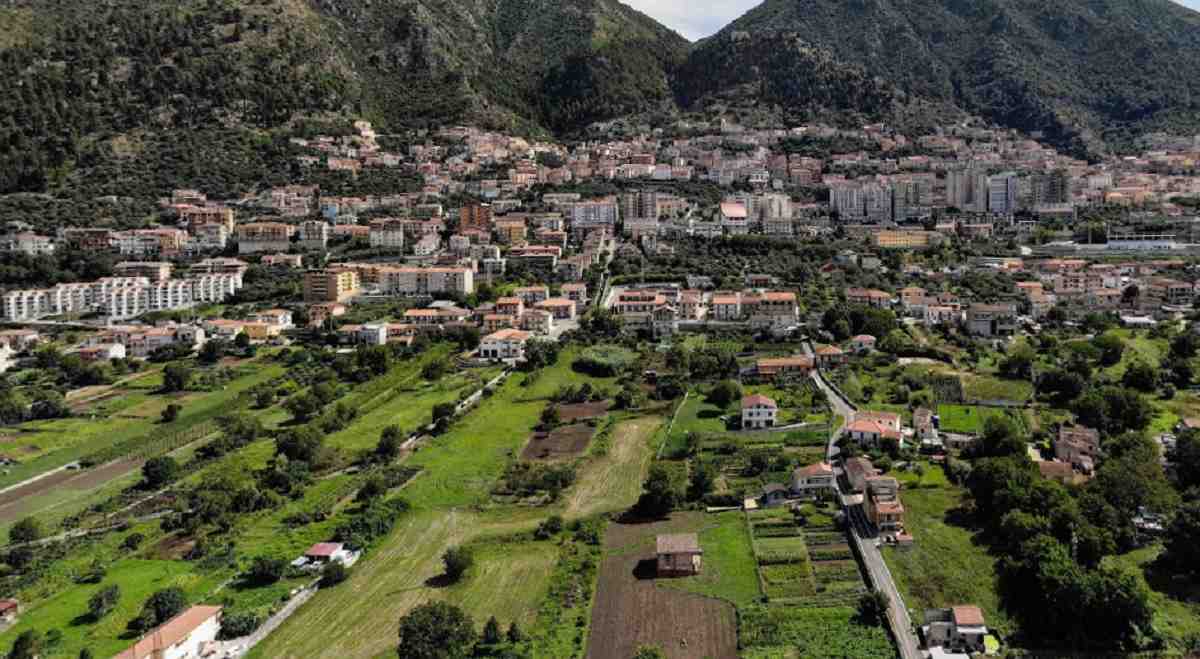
(696, 19)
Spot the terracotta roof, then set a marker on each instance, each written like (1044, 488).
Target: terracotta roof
(323, 549)
(7, 605)
(508, 334)
(829, 350)
(757, 399)
(819, 469)
(890, 507)
(872, 427)
(170, 633)
(862, 338)
(967, 616)
(682, 543)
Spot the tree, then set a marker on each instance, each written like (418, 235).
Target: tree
(434, 370)
(176, 377)
(491, 632)
(1018, 365)
(265, 570)
(872, 607)
(264, 396)
(659, 494)
(724, 393)
(1000, 438)
(28, 645)
(702, 481)
(457, 560)
(1141, 376)
(388, 448)
(514, 634)
(159, 608)
(436, 630)
(159, 471)
(443, 411)
(1183, 539)
(372, 489)
(86, 653)
(171, 412)
(1111, 348)
(303, 406)
(212, 351)
(1185, 346)
(333, 574)
(104, 601)
(25, 530)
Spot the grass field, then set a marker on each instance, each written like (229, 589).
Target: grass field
(452, 506)
(945, 567)
(505, 579)
(138, 579)
(966, 419)
(613, 482)
(1175, 601)
(729, 570)
(694, 416)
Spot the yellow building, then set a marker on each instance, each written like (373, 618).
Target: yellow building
(330, 285)
(905, 239)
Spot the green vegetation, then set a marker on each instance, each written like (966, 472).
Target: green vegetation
(728, 561)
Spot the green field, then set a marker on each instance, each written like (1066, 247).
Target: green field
(945, 566)
(452, 506)
(966, 419)
(729, 571)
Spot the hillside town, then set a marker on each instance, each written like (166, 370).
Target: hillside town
(832, 340)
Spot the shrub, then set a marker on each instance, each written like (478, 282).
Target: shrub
(237, 625)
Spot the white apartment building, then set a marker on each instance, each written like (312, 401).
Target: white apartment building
(425, 281)
(119, 297)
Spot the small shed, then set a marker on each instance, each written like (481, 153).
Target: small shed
(678, 555)
(775, 495)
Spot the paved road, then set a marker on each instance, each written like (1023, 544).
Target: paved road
(864, 536)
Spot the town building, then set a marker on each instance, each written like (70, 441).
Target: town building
(189, 635)
(330, 285)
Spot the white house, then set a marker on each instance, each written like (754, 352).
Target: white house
(188, 635)
(326, 552)
(504, 344)
(758, 411)
(813, 480)
(959, 629)
(862, 343)
(277, 317)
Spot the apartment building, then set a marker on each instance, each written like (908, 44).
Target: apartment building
(427, 281)
(330, 285)
(119, 297)
(256, 237)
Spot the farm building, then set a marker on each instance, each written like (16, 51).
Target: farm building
(189, 634)
(678, 554)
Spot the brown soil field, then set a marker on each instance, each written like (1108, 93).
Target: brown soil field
(581, 411)
(632, 610)
(561, 443)
(12, 502)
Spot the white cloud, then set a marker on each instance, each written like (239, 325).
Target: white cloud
(696, 19)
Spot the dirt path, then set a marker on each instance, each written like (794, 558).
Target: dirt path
(613, 482)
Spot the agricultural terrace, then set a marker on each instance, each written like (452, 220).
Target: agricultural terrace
(149, 552)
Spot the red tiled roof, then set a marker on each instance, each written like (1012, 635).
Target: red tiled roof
(323, 550)
(757, 399)
(170, 633)
(968, 616)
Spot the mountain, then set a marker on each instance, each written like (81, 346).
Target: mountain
(1084, 73)
(97, 85)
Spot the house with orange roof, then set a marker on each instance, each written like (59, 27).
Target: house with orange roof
(759, 412)
(777, 368)
(189, 634)
(830, 356)
(506, 344)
